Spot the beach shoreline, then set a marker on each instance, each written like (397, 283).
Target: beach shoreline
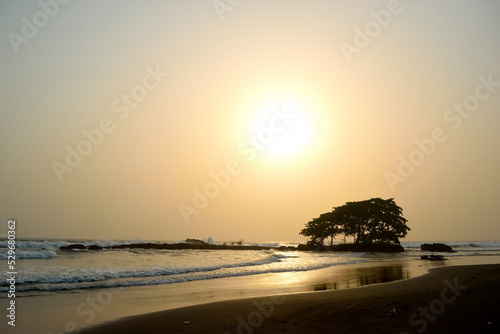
(72, 311)
(461, 299)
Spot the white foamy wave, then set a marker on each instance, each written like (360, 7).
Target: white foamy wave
(266, 244)
(83, 277)
(475, 245)
(101, 274)
(46, 244)
(20, 244)
(39, 254)
(81, 282)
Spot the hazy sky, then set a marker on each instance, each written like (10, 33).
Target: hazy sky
(168, 120)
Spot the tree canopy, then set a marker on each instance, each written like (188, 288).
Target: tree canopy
(370, 221)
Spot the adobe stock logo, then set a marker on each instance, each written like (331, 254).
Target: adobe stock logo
(93, 138)
(373, 28)
(88, 309)
(223, 6)
(30, 28)
(428, 146)
(249, 148)
(436, 307)
(264, 310)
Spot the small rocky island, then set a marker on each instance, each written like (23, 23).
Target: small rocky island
(375, 224)
(436, 247)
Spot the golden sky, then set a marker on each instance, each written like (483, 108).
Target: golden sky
(168, 120)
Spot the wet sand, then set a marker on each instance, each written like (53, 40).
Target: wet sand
(456, 299)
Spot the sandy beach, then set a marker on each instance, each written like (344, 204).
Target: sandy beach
(302, 301)
(453, 299)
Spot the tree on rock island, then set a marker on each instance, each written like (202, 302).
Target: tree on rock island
(371, 221)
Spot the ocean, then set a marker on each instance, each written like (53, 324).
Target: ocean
(42, 268)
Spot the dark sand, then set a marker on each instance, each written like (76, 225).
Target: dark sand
(457, 299)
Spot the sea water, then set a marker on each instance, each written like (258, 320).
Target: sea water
(43, 268)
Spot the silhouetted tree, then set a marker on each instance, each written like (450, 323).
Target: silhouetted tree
(369, 221)
(321, 228)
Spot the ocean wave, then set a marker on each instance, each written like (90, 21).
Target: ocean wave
(38, 254)
(94, 274)
(465, 245)
(457, 245)
(476, 245)
(144, 281)
(120, 268)
(46, 244)
(21, 244)
(266, 244)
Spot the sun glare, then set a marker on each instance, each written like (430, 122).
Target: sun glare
(281, 129)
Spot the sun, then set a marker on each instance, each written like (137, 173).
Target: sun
(281, 129)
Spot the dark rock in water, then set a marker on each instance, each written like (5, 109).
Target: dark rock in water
(308, 247)
(73, 246)
(80, 246)
(433, 257)
(436, 247)
(195, 242)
